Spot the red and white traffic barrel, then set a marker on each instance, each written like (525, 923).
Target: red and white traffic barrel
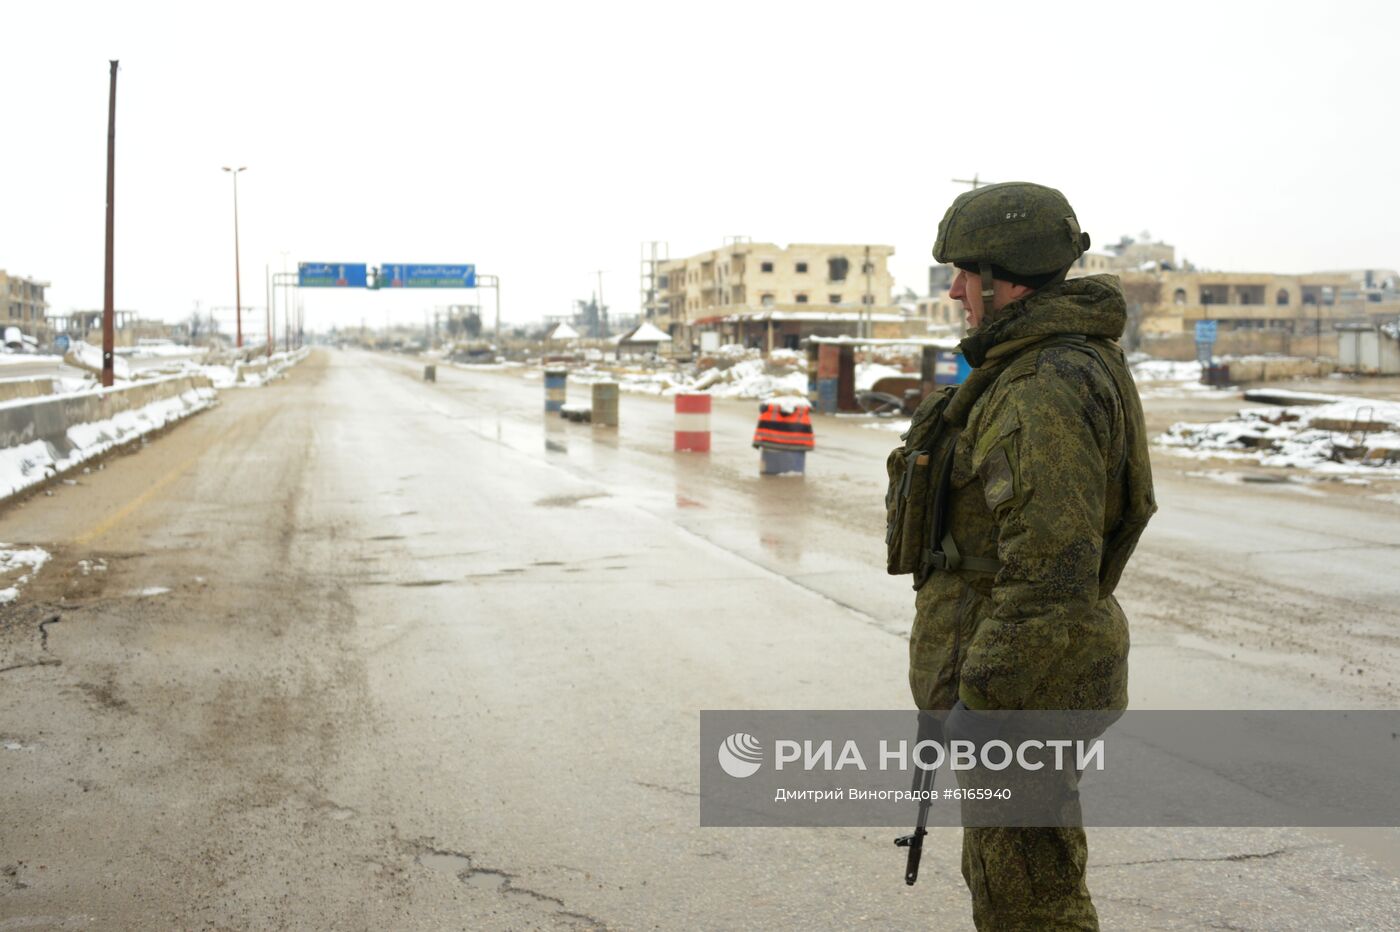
(693, 423)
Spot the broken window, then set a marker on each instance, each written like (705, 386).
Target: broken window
(765, 267)
(766, 300)
(867, 268)
(837, 268)
(833, 299)
(801, 268)
(1281, 299)
(802, 299)
(1179, 297)
(867, 299)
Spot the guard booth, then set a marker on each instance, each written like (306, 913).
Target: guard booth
(831, 367)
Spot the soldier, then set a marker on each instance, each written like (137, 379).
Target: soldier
(1046, 492)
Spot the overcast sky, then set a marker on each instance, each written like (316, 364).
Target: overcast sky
(544, 142)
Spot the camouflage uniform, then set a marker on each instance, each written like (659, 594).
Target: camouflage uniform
(1040, 480)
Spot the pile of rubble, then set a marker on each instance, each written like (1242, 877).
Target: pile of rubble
(1327, 433)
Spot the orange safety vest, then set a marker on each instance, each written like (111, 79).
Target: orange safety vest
(784, 431)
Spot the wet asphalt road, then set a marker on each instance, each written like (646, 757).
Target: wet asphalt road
(427, 660)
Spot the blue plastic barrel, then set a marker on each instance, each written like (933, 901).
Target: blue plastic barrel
(777, 462)
(556, 390)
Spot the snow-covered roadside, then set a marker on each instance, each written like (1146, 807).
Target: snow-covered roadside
(737, 373)
(1165, 378)
(1348, 436)
(17, 567)
(31, 463)
(732, 372)
(247, 374)
(177, 361)
(27, 359)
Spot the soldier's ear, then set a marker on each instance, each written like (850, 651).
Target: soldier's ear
(1017, 292)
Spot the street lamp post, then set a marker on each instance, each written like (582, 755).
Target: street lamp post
(237, 281)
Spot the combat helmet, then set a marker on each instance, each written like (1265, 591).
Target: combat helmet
(1016, 231)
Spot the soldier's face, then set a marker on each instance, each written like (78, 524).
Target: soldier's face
(967, 288)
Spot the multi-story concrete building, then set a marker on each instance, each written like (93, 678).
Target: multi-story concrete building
(22, 302)
(769, 296)
(1255, 312)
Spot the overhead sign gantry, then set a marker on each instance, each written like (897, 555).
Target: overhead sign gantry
(392, 275)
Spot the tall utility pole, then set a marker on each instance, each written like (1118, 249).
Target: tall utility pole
(108, 330)
(237, 279)
(974, 181)
(267, 293)
(272, 341)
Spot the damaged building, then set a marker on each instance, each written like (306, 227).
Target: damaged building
(773, 297)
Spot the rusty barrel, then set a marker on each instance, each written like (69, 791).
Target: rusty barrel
(605, 404)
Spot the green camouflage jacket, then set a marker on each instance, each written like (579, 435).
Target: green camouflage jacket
(1052, 456)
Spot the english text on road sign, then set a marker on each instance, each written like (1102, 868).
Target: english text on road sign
(403, 275)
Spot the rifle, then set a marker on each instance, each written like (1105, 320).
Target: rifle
(930, 729)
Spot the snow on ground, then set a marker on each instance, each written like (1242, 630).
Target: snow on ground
(86, 356)
(1165, 370)
(28, 359)
(17, 567)
(732, 372)
(1165, 378)
(737, 372)
(870, 373)
(1314, 436)
(153, 350)
(31, 463)
(254, 374)
(896, 425)
(729, 372)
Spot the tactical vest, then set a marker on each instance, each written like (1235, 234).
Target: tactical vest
(784, 431)
(917, 537)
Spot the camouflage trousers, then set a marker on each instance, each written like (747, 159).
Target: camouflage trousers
(1029, 879)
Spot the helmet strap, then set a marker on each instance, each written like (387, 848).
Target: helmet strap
(988, 288)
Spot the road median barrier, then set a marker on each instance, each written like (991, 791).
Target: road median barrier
(43, 438)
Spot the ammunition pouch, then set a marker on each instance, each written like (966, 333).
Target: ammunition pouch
(916, 500)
